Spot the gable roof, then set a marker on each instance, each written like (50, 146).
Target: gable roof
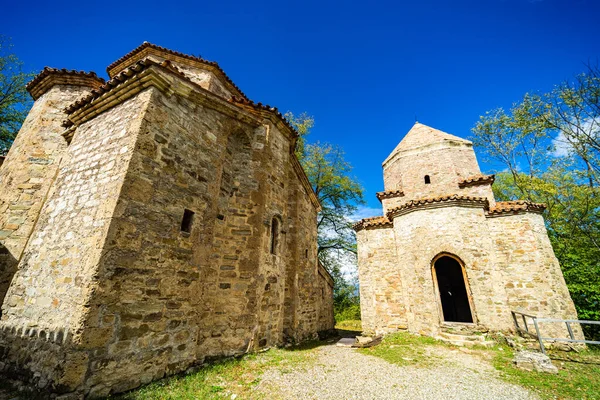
(421, 135)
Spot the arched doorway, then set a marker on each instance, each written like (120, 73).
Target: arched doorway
(452, 289)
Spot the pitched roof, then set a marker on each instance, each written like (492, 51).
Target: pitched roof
(422, 135)
(146, 48)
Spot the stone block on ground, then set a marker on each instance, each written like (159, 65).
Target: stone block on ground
(531, 361)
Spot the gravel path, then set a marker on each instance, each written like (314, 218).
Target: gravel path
(344, 373)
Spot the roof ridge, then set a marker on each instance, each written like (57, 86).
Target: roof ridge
(147, 45)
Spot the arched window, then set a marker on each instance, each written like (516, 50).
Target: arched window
(427, 180)
(275, 231)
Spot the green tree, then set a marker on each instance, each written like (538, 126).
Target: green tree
(547, 147)
(14, 99)
(339, 194)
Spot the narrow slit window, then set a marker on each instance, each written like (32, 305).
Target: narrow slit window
(274, 235)
(427, 180)
(187, 220)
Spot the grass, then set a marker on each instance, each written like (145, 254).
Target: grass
(349, 325)
(404, 349)
(578, 376)
(238, 377)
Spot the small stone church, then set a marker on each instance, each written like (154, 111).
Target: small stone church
(446, 253)
(149, 223)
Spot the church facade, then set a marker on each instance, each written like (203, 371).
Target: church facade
(149, 223)
(446, 253)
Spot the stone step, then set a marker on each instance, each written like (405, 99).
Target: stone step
(466, 343)
(458, 336)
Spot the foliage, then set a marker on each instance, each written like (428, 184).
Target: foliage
(339, 194)
(14, 99)
(548, 148)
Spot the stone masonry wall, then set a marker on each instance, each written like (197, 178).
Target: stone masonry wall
(57, 276)
(458, 231)
(531, 274)
(116, 289)
(445, 164)
(28, 173)
(382, 293)
(169, 299)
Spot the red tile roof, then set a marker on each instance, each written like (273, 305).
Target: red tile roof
(117, 80)
(455, 198)
(515, 207)
(476, 180)
(373, 222)
(113, 68)
(37, 86)
(264, 107)
(388, 194)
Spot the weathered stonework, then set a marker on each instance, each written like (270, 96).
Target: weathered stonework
(176, 226)
(440, 215)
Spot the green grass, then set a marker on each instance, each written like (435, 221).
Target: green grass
(578, 377)
(239, 376)
(404, 349)
(578, 374)
(349, 325)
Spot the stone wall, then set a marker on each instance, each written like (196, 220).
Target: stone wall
(508, 261)
(28, 173)
(382, 293)
(445, 164)
(51, 294)
(532, 277)
(179, 227)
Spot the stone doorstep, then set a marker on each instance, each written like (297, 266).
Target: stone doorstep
(462, 340)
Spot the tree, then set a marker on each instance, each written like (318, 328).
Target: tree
(547, 147)
(14, 99)
(339, 194)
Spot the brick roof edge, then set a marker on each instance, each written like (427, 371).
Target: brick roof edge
(373, 223)
(111, 69)
(49, 77)
(476, 180)
(388, 194)
(432, 201)
(503, 208)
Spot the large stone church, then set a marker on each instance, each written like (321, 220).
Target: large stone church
(446, 253)
(150, 222)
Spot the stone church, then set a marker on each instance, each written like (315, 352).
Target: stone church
(446, 253)
(149, 223)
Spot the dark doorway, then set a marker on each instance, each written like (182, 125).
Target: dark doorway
(453, 293)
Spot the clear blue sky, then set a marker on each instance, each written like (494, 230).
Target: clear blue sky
(363, 70)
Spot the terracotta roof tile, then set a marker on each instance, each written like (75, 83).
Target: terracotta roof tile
(373, 222)
(514, 207)
(476, 180)
(147, 45)
(388, 194)
(70, 77)
(441, 199)
(264, 107)
(115, 81)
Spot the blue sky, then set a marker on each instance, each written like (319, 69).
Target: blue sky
(364, 70)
